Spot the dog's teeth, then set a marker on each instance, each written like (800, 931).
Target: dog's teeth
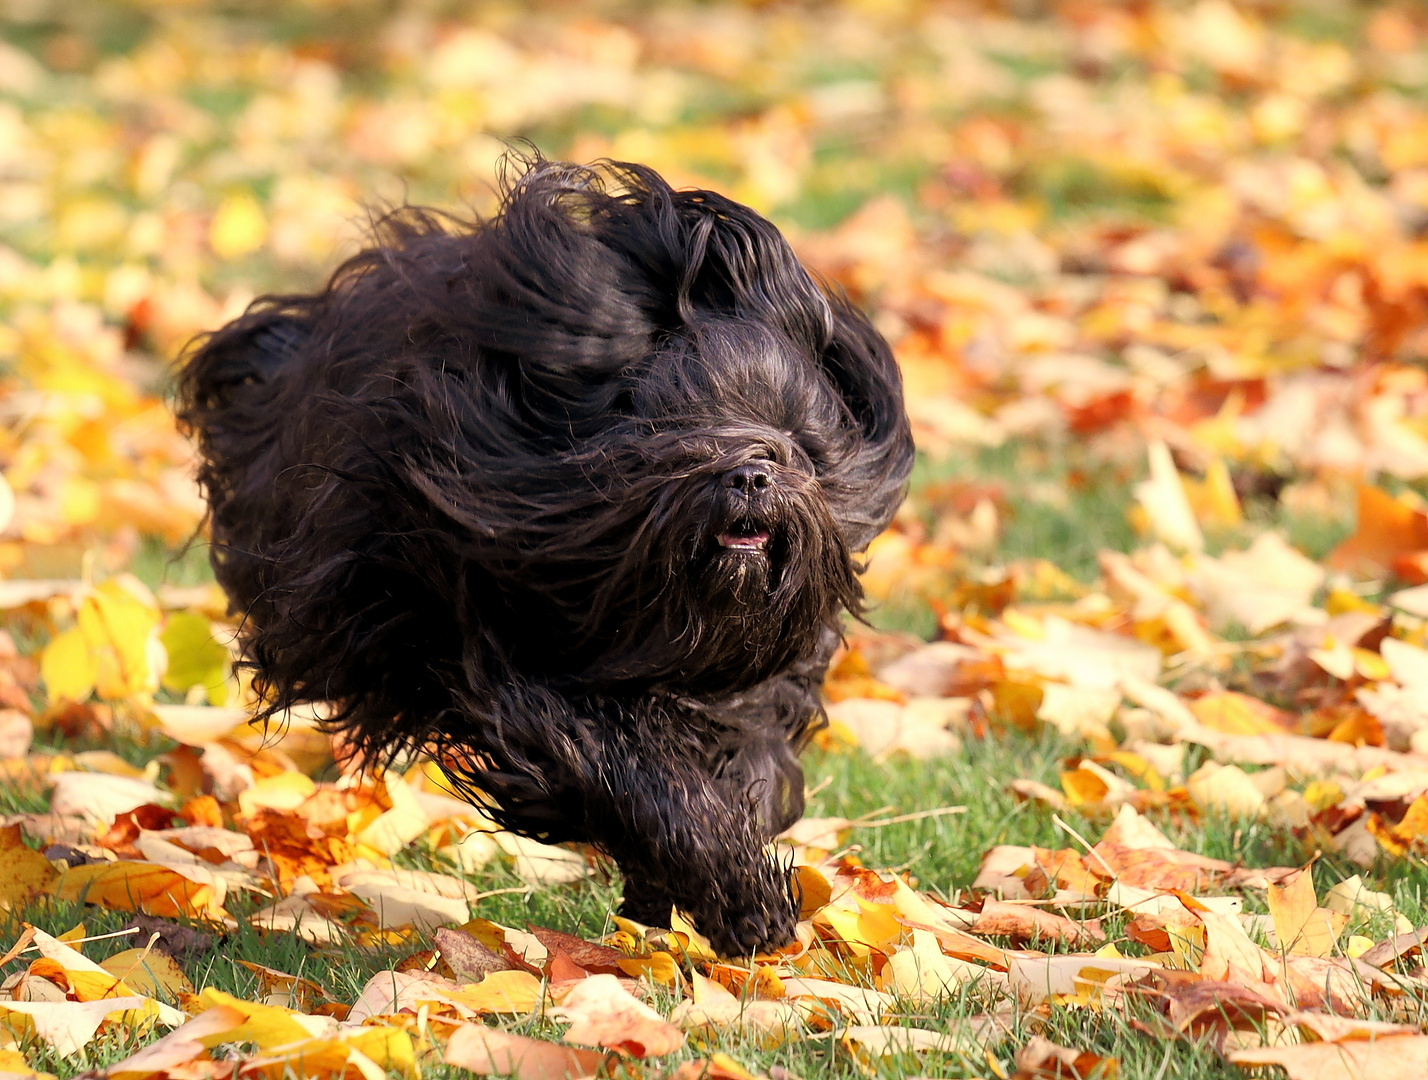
(754, 541)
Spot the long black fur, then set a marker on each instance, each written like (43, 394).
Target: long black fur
(499, 492)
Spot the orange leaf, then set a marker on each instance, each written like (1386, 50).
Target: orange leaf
(1389, 529)
(1410, 834)
(144, 887)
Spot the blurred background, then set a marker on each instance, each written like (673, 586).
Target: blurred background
(1107, 238)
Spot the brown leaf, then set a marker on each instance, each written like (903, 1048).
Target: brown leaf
(1022, 922)
(1198, 1007)
(593, 957)
(1157, 868)
(1155, 930)
(469, 960)
(1042, 1059)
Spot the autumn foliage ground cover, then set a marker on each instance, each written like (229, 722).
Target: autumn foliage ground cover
(1129, 774)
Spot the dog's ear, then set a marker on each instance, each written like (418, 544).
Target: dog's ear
(704, 256)
(861, 364)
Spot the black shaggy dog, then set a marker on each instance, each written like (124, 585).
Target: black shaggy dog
(569, 498)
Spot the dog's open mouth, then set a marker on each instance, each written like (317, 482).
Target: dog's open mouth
(744, 536)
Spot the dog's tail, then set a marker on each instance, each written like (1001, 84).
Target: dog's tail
(228, 398)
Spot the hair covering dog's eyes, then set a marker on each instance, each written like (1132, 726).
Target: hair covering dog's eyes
(571, 499)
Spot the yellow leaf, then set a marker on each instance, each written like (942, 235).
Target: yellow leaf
(150, 972)
(195, 659)
(394, 829)
(1225, 788)
(1213, 498)
(239, 227)
(1409, 834)
(266, 1026)
(369, 1052)
(13, 1064)
(24, 872)
(694, 945)
(1322, 794)
(88, 981)
(120, 627)
(79, 500)
(1083, 786)
(1237, 714)
(516, 992)
(1292, 907)
(282, 791)
(660, 967)
(1165, 503)
(67, 667)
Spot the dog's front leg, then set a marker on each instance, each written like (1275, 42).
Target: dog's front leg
(682, 842)
(638, 783)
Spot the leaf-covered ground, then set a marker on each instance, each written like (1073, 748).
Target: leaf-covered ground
(1129, 774)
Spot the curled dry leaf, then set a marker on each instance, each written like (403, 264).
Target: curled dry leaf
(1023, 922)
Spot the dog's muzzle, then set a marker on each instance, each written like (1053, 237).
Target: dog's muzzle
(747, 488)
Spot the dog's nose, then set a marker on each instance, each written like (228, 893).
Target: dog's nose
(749, 478)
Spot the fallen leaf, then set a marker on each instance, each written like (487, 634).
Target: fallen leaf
(24, 872)
(871, 1043)
(1389, 529)
(601, 1012)
(1025, 923)
(180, 1046)
(1042, 1059)
(488, 1052)
(175, 891)
(1392, 1057)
